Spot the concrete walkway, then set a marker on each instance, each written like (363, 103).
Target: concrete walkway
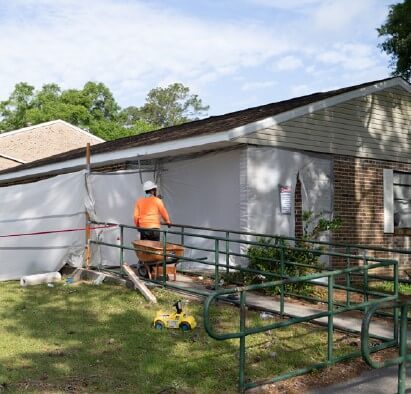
(272, 305)
(376, 381)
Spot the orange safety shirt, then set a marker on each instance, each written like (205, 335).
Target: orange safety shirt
(147, 212)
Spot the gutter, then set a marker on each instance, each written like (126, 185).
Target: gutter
(113, 157)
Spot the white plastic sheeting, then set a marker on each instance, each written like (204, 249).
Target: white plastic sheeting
(402, 199)
(204, 191)
(114, 197)
(267, 169)
(233, 189)
(52, 204)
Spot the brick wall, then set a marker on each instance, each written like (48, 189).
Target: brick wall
(359, 201)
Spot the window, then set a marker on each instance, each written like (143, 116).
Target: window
(397, 202)
(402, 200)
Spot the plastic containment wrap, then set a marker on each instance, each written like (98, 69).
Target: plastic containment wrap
(38, 279)
(33, 220)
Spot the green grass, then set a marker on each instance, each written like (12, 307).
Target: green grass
(88, 338)
(385, 286)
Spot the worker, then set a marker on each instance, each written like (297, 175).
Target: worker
(147, 213)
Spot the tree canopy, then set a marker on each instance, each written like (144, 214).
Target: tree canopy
(171, 106)
(95, 109)
(397, 33)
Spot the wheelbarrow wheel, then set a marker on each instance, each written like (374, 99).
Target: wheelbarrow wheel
(142, 271)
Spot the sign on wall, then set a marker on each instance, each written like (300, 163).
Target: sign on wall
(285, 200)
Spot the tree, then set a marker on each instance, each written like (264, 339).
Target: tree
(397, 30)
(94, 108)
(47, 105)
(170, 106)
(100, 101)
(14, 110)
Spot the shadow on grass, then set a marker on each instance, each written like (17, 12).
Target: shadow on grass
(100, 339)
(88, 338)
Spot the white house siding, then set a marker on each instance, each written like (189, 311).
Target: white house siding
(375, 126)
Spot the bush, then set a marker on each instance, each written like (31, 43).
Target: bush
(266, 256)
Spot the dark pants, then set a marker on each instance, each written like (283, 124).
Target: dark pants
(151, 235)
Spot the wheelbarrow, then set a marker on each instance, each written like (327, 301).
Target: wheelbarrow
(150, 257)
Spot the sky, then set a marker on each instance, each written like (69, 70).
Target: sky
(234, 54)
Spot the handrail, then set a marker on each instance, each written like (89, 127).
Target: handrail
(225, 292)
(273, 236)
(403, 357)
(256, 243)
(283, 261)
(330, 312)
(281, 280)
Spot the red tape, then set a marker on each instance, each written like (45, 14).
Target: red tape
(58, 231)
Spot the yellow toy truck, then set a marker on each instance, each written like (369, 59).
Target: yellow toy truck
(177, 319)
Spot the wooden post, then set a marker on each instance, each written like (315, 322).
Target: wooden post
(88, 231)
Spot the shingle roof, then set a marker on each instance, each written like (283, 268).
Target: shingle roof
(210, 125)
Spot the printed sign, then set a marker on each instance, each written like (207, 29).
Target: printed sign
(285, 200)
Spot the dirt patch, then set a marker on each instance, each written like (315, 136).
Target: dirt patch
(325, 377)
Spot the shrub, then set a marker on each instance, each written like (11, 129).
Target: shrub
(300, 257)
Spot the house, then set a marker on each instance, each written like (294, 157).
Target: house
(42, 140)
(344, 152)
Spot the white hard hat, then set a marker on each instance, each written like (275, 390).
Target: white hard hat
(148, 185)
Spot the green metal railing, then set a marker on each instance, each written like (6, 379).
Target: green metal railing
(226, 237)
(403, 357)
(329, 313)
(216, 251)
(220, 251)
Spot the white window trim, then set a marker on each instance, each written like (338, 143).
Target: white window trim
(388, 201)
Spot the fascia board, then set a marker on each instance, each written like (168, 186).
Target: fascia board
(50, 123)
(126, 154)
(11, 158)
(27, 128)
(80, 130)
(309, 108)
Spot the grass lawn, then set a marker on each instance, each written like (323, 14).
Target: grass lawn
(404, 288)
(100, 339)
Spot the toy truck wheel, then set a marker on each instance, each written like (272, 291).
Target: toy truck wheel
(158, 325)
(185, 326)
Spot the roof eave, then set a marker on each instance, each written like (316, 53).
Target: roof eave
(182, 146)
